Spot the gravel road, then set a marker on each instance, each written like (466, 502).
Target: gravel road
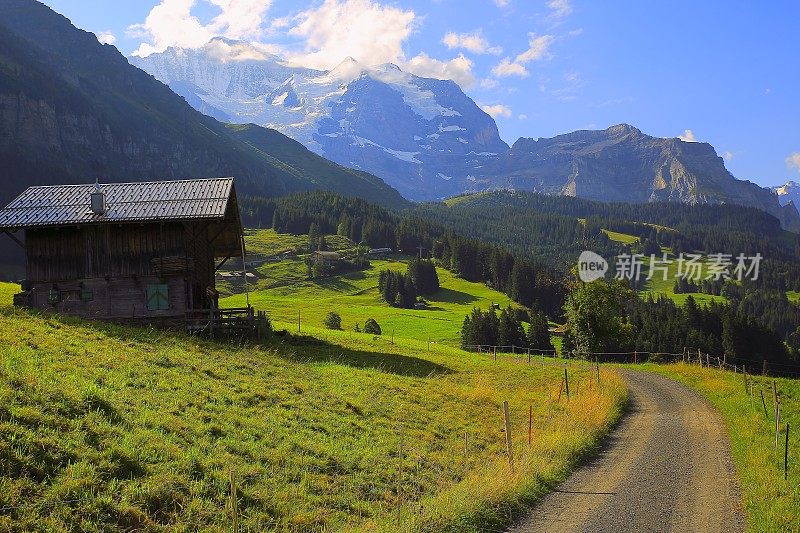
(667, 467)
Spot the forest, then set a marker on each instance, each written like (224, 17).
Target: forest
(525, 244)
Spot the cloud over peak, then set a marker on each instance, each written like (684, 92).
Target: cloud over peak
(793, 161)
(473, 42)
(538, 49)
(171, 23)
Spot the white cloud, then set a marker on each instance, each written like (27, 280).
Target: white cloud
(688, 136)
(575, 32)
(559, 8)
(366, 30)
(106, 37)
(489, 83)
(793, 161)
(473, 42)
(171, 23)
(458, 69)
(502, 3)
(498, 110)
(727, 156)
(538, 49)
(523, 116)
(226, 51)
(508, 68)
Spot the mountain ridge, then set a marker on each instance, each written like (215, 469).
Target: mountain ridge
(431, 141)
(416, 133)
(73, 110)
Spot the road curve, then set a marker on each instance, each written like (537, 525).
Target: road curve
(667, 467)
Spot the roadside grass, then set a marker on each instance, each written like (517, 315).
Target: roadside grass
(793, 296)
(111, 428)
(771, 504)
(355, 297)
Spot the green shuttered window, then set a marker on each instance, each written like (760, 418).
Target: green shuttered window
(157, 297)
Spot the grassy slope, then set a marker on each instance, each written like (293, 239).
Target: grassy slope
(355, 297)
(770, 502)
(105, 427)
(658, 286)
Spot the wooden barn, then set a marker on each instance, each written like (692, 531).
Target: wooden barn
(126, 250)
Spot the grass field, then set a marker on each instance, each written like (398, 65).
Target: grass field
(793, 296)
(355, 297)
(770, 502)
(109, 428)
(623, 238)
(659, 285)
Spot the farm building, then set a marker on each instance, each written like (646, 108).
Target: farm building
(126, 250)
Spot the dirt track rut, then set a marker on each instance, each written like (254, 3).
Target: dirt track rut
(667, 467)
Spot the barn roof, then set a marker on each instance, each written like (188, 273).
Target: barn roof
(58, 205)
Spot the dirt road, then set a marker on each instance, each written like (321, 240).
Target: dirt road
(667, 467)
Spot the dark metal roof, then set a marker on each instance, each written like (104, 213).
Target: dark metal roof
(57, 205)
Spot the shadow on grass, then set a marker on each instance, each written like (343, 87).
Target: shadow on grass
(453, 297)
(304, 349)
(299, 349)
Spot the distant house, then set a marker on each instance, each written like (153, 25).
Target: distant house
(326, 257)
(379, 252)
(125, 250)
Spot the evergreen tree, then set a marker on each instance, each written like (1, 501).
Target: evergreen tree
(539, 332)
(510, 331)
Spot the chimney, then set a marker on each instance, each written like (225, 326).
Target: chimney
(98, 200)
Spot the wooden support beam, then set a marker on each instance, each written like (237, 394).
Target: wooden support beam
(222, 263)
(14, 238)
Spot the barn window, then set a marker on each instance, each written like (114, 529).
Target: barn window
(157, 297)
(87, 295)
(53, 296)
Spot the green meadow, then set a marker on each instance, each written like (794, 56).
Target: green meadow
(112, 428)
(661, 285)
(355, 297)
(770, 501)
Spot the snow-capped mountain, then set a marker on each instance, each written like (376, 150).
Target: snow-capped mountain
(788, 192)
(423, 136)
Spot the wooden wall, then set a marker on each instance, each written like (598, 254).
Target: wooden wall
(114, 261)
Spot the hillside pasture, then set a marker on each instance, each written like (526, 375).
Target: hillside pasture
(111, 428)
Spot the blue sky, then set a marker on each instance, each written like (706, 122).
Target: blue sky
(727, 71)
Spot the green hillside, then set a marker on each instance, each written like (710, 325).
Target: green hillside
(110, 428)
(283, 291)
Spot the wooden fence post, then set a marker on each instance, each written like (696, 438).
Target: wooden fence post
(234, 502)
(529, 357)
(774, 392)
(566, 382)
(786, 454)
(764, 368)
(777, 423)
(509, 448)
(763, 403)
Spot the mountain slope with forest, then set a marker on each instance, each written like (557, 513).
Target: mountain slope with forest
(72, 110)
(622, 164)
